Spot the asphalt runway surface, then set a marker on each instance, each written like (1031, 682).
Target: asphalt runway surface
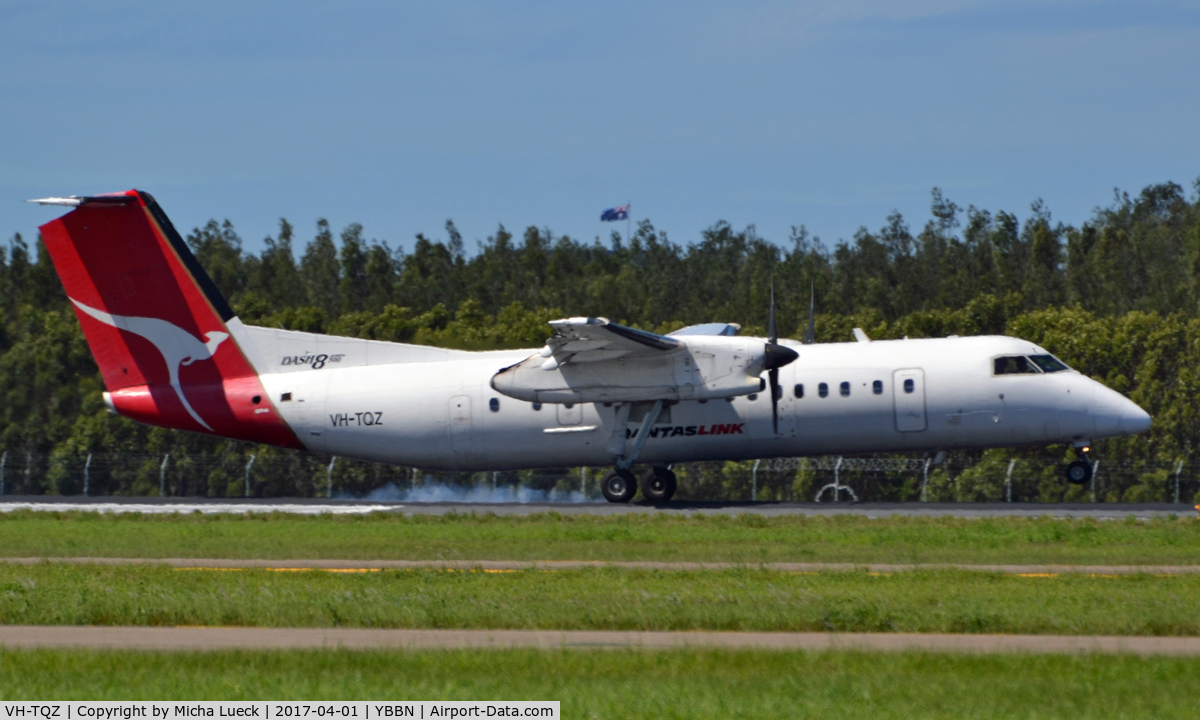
(243, 638)
(517, 565)
(318, 506)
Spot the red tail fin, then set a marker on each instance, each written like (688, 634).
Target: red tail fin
(156, 322)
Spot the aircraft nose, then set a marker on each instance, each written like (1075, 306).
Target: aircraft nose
(1134, 420)
(1114, 414)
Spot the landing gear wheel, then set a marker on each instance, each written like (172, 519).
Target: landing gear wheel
(658, 484)
(618, 486)
(1079, 472)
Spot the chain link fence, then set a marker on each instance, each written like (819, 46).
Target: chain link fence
(268, 472)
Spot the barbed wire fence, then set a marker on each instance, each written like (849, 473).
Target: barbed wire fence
(270, 473)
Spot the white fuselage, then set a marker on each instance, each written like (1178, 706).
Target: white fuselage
(436, 409)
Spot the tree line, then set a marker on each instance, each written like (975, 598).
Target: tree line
(1117, 297)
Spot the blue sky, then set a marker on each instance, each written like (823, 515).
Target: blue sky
(400, 115)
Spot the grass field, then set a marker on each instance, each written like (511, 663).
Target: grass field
(604, 599)
(617, 683)
(744, 539)
(623, 684)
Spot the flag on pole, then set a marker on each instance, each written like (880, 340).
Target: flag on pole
(614, 214)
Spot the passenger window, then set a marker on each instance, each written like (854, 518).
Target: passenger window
(823, 390)
(909, 386)
(877, 387)
(752, 397)
(798, 391)
(494, 404)
(1048, 363)
(1014, 365)
(845, 389)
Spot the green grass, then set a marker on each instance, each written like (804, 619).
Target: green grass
(625, 684)
(603, 599)
(744, 539)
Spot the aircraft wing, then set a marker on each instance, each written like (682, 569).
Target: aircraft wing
(583, 339)
(594, 360)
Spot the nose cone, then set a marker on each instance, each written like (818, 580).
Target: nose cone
(1134, 420)
(1114, 414)
(514, 380)
(505, 381)
(776, 356)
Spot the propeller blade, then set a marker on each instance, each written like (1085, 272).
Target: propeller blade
(774, 381)
(810, 333)
(775, 356)
(772, 335)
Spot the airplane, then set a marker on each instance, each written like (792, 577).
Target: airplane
(173, 354)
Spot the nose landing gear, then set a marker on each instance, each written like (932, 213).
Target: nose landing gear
(1079, 472)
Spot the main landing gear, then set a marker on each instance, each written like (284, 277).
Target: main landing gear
(620, 485)
(658, 485)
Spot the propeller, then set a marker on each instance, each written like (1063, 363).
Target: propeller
(810, 333)
(775, 356)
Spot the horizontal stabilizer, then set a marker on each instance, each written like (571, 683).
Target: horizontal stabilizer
(77, 200)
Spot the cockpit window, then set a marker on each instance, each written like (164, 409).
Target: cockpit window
(1015, 365)
(1048, 363)
(1032, 365)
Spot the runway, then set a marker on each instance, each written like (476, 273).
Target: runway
(241, 638)
(518, 565)
(318, 506)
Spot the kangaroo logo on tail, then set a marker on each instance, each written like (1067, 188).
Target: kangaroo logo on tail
(178, 346)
